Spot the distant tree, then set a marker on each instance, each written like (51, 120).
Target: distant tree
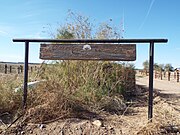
(169, 68)
(156, 68)
(161, 67)
(146, 66)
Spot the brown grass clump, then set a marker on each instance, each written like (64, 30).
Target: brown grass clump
(47, 103)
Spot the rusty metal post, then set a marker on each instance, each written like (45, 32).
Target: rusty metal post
(151, 63)
(5, 67)
(25, 74)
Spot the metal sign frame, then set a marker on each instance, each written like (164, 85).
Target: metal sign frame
(96, 41)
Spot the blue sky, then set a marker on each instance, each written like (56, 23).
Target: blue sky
(142, 19)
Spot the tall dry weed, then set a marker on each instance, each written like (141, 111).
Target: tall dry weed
(71, 87)
(10, 101)
(74, 86)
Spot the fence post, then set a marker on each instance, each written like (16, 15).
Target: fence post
(31, 69)
(18, 68)
(5, 67)
(177, 75)
(161, 74)
(10, 69)
(21, 68)
(169, 75)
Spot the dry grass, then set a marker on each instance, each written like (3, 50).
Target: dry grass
(70, 89)
(74, 88)
(10, 101)
(50, 101)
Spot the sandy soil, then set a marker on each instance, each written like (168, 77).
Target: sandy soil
(169, 90)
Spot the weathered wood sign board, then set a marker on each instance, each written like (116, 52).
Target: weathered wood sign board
(112, 52)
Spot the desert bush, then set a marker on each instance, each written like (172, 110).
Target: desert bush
(90, 80)
(73, 86)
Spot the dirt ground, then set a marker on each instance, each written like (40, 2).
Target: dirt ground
(169, 90)
(164, 86)
(166, 118)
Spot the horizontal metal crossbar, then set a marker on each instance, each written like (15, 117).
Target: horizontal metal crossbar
(93, 40)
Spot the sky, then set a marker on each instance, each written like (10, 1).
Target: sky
(142, 19)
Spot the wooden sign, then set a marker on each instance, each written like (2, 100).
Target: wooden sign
(112, 52)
